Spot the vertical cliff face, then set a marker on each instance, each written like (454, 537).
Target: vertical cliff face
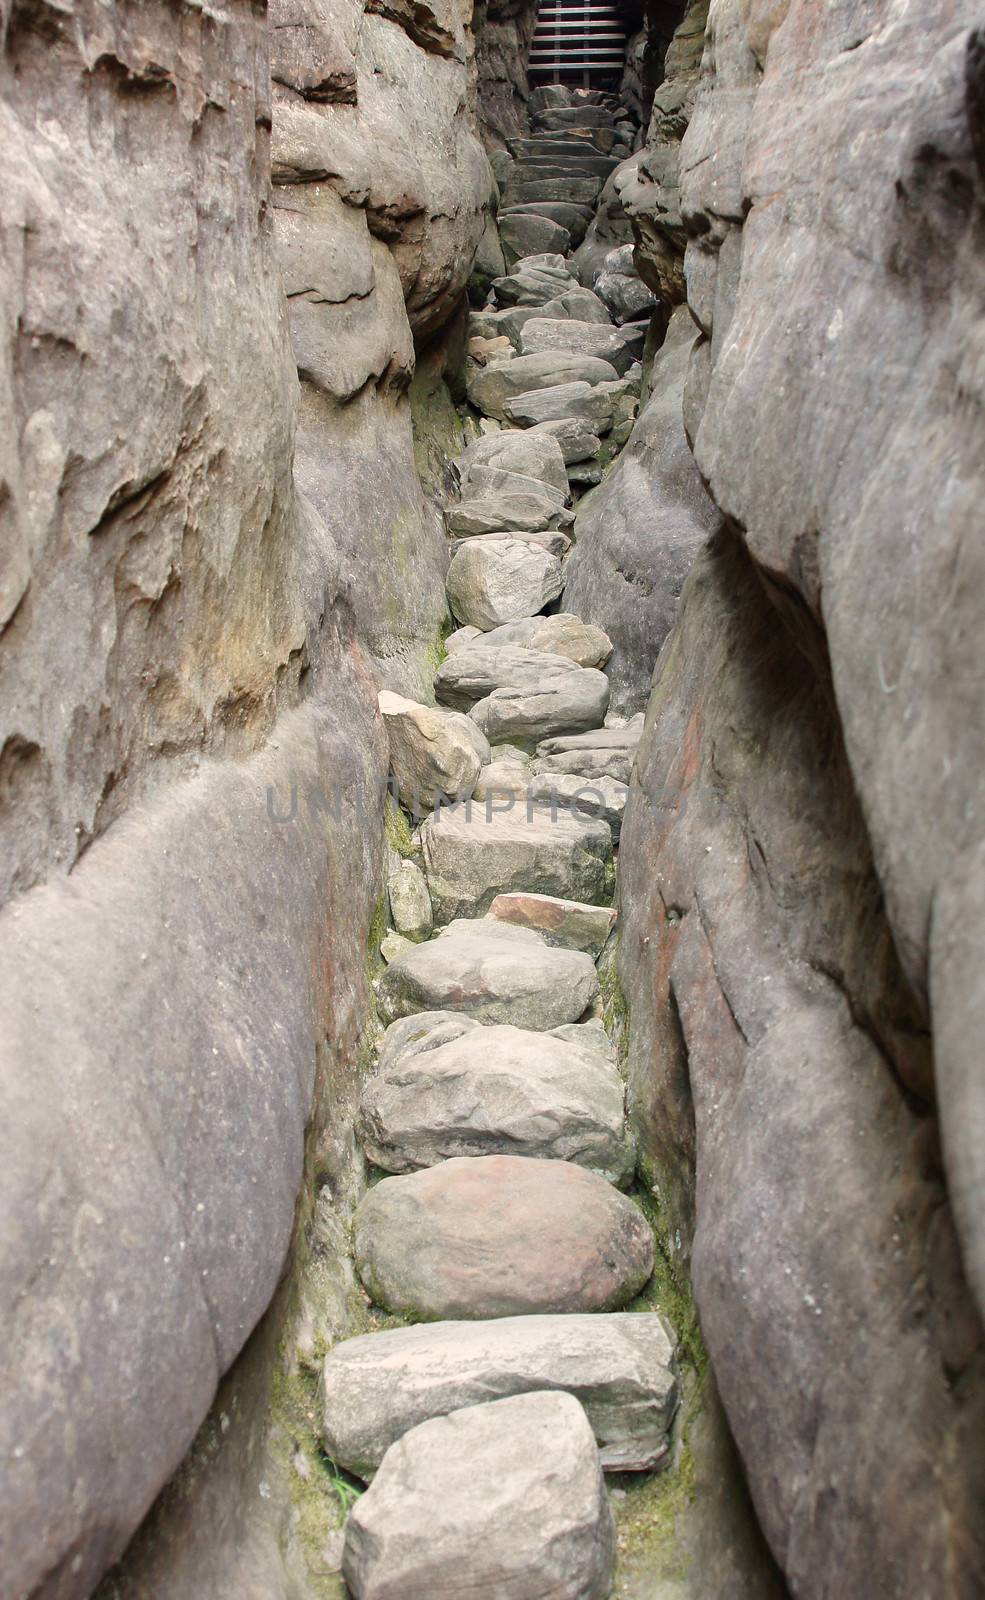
(799, 866)
(381, 191)
(192, 641)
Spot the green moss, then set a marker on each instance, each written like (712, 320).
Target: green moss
(648, 1512)
(397, 831)
(320, 1493)
(375, 936)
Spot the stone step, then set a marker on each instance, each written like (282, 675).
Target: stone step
(565, 117)
(562, 634)
(549, 539)
(564, 402)
(497, 580)
(564, 162)
(500, 1236)
(603, 797)
(475, 852)
(619, 1366)
(575, 438)
(490, 388)
(522, 235)
(498, 1091)
(503, 512)
(575, 219)
(563, 334)
(472, 674)
(577, 190)
(539, 460)
(532, 285)
(488, 973)
(525, 716)
(568, 923)
(608, 752)
(498, 1499)
(484, 478)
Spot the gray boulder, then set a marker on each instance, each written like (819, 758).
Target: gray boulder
(579, 401)
(606, 752)
(592, 797)
(498, 1090)
(375, 1388)
(490, 388)
(540, 458)
(485, 971)
(524, 234)
(473, 674)
(500, 1236)
(472, 854)
(540, 334)
(498, 1499)
(563, 922)
(575, 438)
(431, 752)
(492, 477)
(570, 702)
(410, 903)
(492, 581)
(562, 634)
(499, 513)
(426, 1030)
(626, 295)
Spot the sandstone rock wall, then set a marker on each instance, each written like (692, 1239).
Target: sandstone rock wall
(381, 190)
(188, 639)
(800, 879)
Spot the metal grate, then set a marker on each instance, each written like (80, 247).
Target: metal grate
(576, 40)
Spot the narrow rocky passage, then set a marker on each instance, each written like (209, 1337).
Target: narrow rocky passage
(502, 1233)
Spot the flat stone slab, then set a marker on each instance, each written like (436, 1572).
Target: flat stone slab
(620, 1367)
(520, 235)
(504, 1500)
(578, 700)
(607, 752)
(502, 512)
(562, 402)
(473, 854)
(539, 334)
(500, 1236)
(523, 454)
(472, 674)
(562, 922)
(583, 190)
(576, 438)
(562, 634)
(485, 479)
(498, 1090)
(603, 796)
(492, 581)
(484, 970)
(491, 387)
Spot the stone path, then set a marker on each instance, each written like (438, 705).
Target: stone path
(497, 1108)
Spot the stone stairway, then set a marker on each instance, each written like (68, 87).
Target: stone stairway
(502, 1231)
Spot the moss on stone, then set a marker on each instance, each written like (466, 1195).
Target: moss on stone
(396, 829)
(648, 1510)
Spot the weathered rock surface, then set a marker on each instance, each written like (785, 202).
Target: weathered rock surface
(492, 387)
(526, 235)
(505, 1498)
(473, 674)
(603, 797)
(431, 752)
(540, 334)
(531, 456)
(573, 701)
(639, 532)
(620, 1367)
(747, 884)
(562, 634)
(498, 1090)
(577, 440)
(408, 1036)
(564, 922)
(505, 513)
(492, 976)
(606, 752)
(500, 1236)
(504, 775)
(472, 855)
(563, 402)
(410, 903)
(497, 580)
